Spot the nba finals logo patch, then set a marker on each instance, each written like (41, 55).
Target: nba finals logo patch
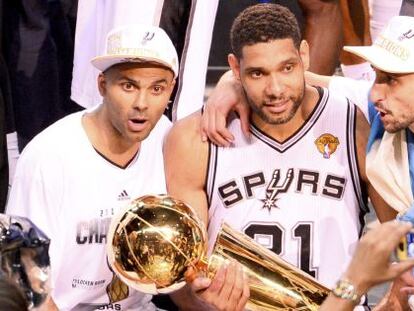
(327, 144)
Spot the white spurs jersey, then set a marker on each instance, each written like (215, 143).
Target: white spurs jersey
(301, 198)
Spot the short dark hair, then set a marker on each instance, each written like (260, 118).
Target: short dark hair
(263, 23)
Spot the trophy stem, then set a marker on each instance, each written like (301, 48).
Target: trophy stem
(274, 284)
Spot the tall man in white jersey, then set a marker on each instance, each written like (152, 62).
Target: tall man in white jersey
(77, 173)
(298, 185)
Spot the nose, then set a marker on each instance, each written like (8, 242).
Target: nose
(274, 86)
(141, 101)
(378, 92)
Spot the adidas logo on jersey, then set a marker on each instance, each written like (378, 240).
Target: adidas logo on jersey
(123, 196)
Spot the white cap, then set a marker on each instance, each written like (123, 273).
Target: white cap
(393, 50)
(138, 43)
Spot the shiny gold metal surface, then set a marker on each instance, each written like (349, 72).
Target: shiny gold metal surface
(274, 284)
(153, 241)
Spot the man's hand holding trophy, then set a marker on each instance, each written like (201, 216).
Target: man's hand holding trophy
(155, 239)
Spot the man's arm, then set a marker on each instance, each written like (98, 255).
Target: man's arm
(383, 211)
(325, 46)
(317, 80)
(227, 96)
(370, 264)
(186, 162)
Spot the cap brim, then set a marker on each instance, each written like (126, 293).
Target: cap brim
(104, 62)
(380, 58)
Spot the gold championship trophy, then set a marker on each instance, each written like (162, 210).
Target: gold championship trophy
(153, 241)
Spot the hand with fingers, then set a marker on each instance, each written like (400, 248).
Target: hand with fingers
(397, 296)
(227, 291)
(406, 282)
(227, 96)
(371, 266)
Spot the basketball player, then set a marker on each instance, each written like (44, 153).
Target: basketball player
(74, 175)
(297, 185)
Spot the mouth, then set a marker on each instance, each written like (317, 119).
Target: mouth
(277, 106)
(382, 112)
(137, 124)
(137, 120)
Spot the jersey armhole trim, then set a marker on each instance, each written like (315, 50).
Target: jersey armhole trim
(353, 162)
(211, 172)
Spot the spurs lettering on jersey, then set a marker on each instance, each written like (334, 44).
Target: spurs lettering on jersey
(235, 191)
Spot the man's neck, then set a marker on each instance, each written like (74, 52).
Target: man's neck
(281, 132)
(107, 141)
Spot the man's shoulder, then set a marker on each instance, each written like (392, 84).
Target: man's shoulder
(356, 91)
(346, 86)
(188, 126)
(339, 103)
(55, 136)
(63, 125)
(185, 133)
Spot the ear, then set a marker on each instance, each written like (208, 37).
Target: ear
(304, 54)
(173, 83)
(170, 88)
(234, 65)
(102, 84)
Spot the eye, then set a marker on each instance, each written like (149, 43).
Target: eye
(288, 68)
(391, 80)
(157, 89)
(127, 86)
(256, 74)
